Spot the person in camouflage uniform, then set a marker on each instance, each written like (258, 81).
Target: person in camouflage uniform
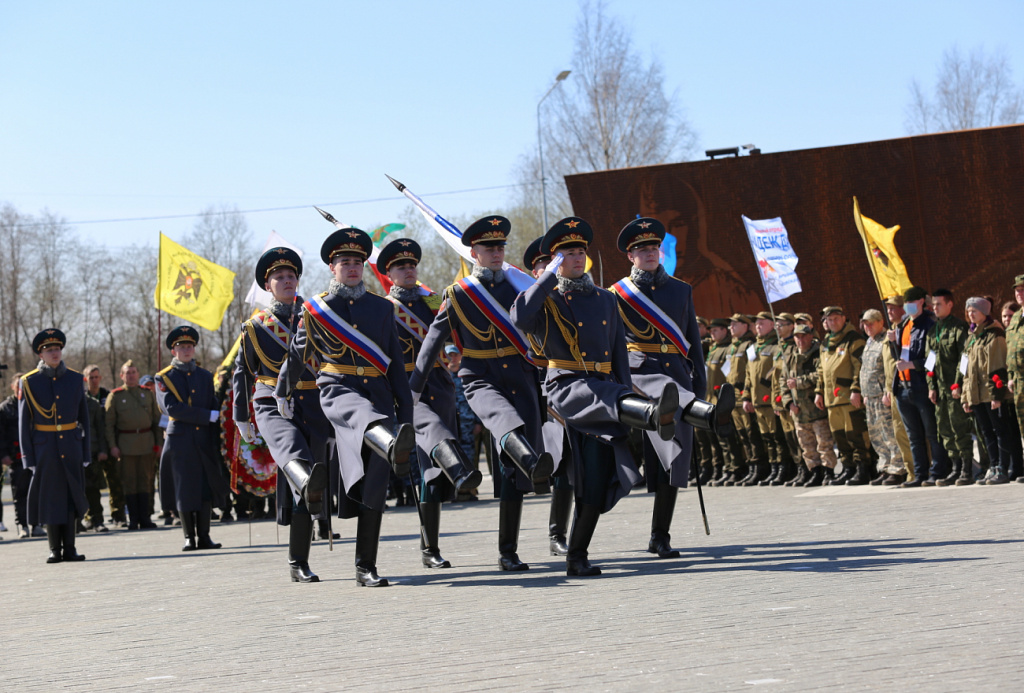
(799, 378)
(946, 339)
(838, 393)
(873, 387)
(757, 397)
(792, 453)
(729, 460)
(703, 448)
(743, 421)
(1015, 353)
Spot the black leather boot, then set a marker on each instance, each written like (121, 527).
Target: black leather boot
(68, 552)
(309, 480)
(452, 460)
(713, 417)
(510, 513)
(784, 475)
(300, 537)
(652, 415)
(776, 469)
(849, 469)
(203, 540)
(324, 530)
(394, 447)
(558, 520)
(707, 472)
(661, 520)
(583, 526)
(519, 451)
(802, 475)
(430, 531)
(966, 472)
(132, 511)
(861, 476)
(757, 473)
(188, 526)
(830, 476)
(957, 464)
(816, 476)
(54, 533)
(145, 508)
(367, 541)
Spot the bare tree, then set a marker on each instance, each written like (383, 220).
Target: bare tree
(14, 281)
(971, 91)
(612, 112)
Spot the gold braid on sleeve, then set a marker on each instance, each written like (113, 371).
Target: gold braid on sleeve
(568, 330)
(645, 335)
(482, 335)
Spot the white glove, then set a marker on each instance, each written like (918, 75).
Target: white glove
(416, 398)
(285, 406)
(214, 416)
(247, 431)
(555, 263)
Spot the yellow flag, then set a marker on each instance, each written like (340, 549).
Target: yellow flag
(879, 243)
(191, 287)
(464, 271)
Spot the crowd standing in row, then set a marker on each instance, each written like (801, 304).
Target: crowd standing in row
(578, 387)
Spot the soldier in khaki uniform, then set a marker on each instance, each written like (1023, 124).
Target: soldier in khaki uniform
(728, 451)
(757, 396)
(1015, 354)
(799, 378)
(744, 422)
(838, 393)
(944, 345)
(703, 447)
(133, 434)
(792, 452)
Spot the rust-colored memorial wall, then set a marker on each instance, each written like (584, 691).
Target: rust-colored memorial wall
(958, 198)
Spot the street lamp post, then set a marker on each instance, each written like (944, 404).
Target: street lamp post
(540, 147)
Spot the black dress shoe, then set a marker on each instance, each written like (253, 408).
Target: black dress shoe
(581, 567)
(301, 573)
(432, 559)
(367, 577)
(916, 483)
(510, 562)
(661, 546)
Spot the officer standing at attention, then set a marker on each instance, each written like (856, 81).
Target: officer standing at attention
(53, 429)
(132, 429)
(185, 392)
(299, 444)
(444, 468)
(664, 348)
(578, 329)
(554, 432)
(497, 376)
(727, 449)
(746, 424)
(364, 391)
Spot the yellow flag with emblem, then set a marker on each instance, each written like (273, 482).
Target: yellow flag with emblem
(886, 265)
(191, 287)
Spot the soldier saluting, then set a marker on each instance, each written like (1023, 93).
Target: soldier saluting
(364, 391)
(588, 382)
(499, 379)
(298, 444)
(185, 392)
(53, 435)
(663, 341)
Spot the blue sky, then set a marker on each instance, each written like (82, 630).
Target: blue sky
(117, 110)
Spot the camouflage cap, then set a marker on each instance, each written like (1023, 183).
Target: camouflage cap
(764, 315)
(720, 322)
(806, 317)
(1018, 281)
(788, 317)
(894, 301)
(740, 317)
(829, 310)
(803, 329)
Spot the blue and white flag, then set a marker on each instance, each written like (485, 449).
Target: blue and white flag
(776, 261)
(668, 254)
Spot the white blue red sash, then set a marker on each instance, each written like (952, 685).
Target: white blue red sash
(635, 299)
(279, 332)
(496, 313)
(349, 336)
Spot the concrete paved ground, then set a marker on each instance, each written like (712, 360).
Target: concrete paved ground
(848, 588)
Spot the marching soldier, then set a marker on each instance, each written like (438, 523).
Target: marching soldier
(53, 429)
(298, 444)
(444, 468)
(496, 373)
(364, 391)
(663, 343)
(757, 394)
(185, 392)
(746, 425)
(554, 432)
(588, 383)
(838, 393)
(133, 434)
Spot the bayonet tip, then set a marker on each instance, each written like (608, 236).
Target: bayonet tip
(326, 215)
(394, 182)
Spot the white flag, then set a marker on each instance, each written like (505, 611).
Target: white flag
(776, 261)
(257, 295)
